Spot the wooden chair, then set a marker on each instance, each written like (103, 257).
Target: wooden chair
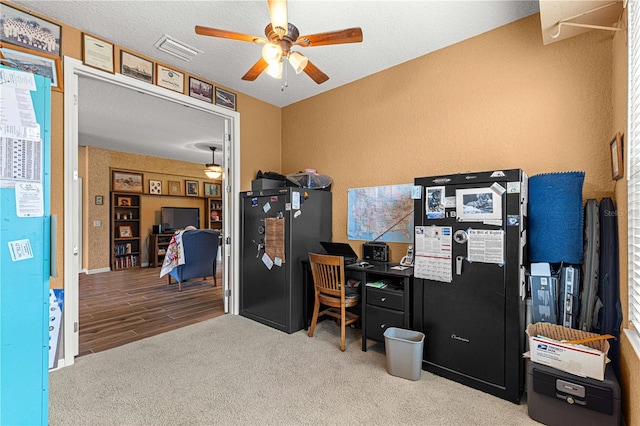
(329, 284)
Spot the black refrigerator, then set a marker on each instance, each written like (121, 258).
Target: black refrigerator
(469, 285)
(279, 229)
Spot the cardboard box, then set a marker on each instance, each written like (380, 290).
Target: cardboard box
(548, 346)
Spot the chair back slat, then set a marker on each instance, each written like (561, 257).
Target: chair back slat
(328, 273)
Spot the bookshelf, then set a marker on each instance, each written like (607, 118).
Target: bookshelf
(125, 230)
(214, 213)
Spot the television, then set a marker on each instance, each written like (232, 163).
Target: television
(176, 218)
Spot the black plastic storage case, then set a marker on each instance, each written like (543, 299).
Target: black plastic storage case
(559, 398)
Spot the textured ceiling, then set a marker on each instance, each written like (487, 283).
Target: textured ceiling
(393, 32)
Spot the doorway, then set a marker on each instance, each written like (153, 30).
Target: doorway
(231, 183)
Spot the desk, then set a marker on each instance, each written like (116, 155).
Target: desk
(381, 308)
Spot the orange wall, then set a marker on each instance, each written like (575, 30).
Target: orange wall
(500, 100)
(95, 166)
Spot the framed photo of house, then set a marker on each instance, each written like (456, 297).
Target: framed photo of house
(225, 99)
(174, 187)
(124, 201)
(126, 182)
(212, 189)
(39, 35)
(40, 63)
(97, 53)
(155, 187)
(617, 157)
(124, 231)
(192, 188)
(200, 90)
(135, 67)
(169, 78)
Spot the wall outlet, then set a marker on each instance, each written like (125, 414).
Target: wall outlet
(97, 223)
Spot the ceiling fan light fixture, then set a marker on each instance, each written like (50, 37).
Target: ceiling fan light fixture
(213, 171)
(298, 61)
(272, 53)
(278, 15)
(275, 69)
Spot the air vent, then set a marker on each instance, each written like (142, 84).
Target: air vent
(176, 48)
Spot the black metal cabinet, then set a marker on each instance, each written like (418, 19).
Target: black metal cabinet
(474, 320)
(383, 307)
(279, 229)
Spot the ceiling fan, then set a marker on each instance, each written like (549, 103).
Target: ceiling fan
(281, 36)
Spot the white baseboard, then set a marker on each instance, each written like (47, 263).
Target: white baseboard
(97, 271)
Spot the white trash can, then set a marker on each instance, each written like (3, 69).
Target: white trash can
(404, 350)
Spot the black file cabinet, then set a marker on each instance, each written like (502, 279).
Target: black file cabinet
(383, 307)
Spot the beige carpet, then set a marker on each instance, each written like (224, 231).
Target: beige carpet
(234, 371)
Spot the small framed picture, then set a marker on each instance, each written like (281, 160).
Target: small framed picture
(225, 99)
(617, 157)
(40, 63)
(136, 67)
(23, 29)
(174, 187)
(478, 204)
(97, 53)
(192, 188)
(212, 189)
(126, 182)
(99, 200)
(155, 187)
(124, 231)
(169, 78)
(124, 201)
(200, 90)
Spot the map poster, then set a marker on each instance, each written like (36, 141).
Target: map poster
(381, 213)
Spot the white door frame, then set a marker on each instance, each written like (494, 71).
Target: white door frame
(231, 182)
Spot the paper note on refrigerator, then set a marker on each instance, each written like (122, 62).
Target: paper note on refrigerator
(433, 253)
(485, 245)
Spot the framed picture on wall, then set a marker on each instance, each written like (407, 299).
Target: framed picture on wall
(200, 90)
(97, 53)
(174, 187)
(169, 78)
(212, 189)
(39, 35)
(155, 187)
(136, 67)
(126, 182)
(40, 63)
(192, 188)
(617, 157)
(225, 99)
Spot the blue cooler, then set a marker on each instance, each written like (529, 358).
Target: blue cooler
(559, 398)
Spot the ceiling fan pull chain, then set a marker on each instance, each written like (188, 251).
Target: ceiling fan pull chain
(286, 79)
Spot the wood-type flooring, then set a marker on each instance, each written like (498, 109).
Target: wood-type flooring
(120, 307)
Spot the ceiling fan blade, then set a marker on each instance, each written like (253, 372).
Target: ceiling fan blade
(256, 70)
(214, 32)
(350, 35)
(315, 73)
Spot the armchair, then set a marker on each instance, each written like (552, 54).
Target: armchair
(200, 253)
